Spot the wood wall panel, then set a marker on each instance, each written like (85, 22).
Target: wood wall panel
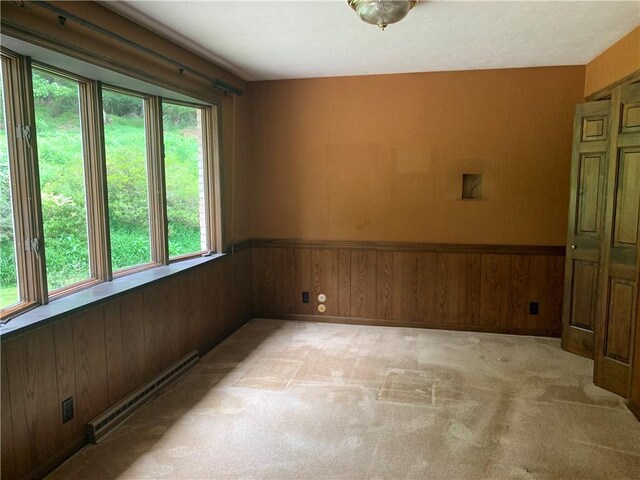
(426, 285)
(527, 287)
(324, 268)
(115, 358)
(133, 344)
(409, 293)
(175, 321)
(388, 285)
(191, 299)
(153, 327)
(6, 424)
(239, 267)
(474, 287)
(484, 289)
(284, 273)
(495, 303)
(458, 289)
(363, 283)
(100, 355)
(89, 350)
(66, 374)
(556, 284)
(302, 280)
(31, 366)
(215, 290)
(344, 282)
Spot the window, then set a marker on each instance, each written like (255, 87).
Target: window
(85, 176)
(184, 179)
(62, 179)
(127, 179)
(9, 289)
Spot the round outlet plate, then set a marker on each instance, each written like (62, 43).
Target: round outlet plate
(322, 308)
(322, 298)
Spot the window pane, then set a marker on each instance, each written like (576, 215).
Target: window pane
(126, 151)
(62, 183)
(9, 294)
(184, 179)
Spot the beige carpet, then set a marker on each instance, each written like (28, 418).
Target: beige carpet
(296, 400)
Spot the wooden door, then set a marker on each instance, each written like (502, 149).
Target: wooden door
(634, 390)
(584, 234)
(618, 281)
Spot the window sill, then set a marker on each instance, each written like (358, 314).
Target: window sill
(93, 296)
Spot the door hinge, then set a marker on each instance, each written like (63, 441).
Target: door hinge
(32, 245)
(24, 132)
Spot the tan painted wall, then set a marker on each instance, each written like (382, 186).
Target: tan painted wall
(615, 63)
(381, 157)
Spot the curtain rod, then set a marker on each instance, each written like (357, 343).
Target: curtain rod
(64, 15)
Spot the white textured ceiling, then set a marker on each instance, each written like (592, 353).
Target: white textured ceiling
(262, 40)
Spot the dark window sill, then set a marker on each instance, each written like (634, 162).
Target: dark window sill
(96, 295)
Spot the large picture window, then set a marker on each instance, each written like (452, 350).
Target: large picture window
(109, 180)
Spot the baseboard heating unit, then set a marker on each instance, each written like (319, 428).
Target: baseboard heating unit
(107, 420)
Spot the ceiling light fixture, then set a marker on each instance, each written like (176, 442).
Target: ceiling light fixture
(382, 12)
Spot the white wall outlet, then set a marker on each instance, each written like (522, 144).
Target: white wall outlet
(322, 298)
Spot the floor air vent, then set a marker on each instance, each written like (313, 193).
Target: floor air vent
(108, 419)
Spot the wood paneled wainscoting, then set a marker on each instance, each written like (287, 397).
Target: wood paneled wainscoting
(100, 355)
(465, 287)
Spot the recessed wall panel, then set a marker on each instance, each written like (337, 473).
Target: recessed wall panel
(618, 332)
(627, 198)
(589, 195)
(585, 281)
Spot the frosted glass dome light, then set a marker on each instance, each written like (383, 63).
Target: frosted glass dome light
(382, 12)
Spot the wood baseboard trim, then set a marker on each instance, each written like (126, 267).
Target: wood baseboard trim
(61, 456)
(412, 247)
(535, 332)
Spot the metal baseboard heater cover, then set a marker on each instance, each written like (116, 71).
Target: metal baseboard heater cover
(107, 420)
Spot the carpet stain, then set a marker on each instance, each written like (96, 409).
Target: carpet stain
(270, 374)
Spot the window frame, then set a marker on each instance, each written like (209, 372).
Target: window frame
(210, 172)
(154, 184)
(94, 174)
(25, 181)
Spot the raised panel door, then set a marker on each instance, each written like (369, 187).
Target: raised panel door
(589, 165)
(616, 314)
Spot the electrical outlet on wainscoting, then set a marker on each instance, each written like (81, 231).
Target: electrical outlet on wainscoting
(534, 308)
(67, 410)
